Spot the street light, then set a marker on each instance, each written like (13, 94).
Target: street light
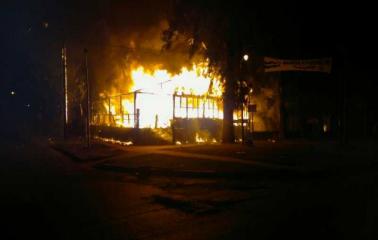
(245, 57)
(246, 92)
(241, 86)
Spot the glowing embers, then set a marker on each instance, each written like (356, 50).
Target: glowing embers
(114, 141)
(200, 139)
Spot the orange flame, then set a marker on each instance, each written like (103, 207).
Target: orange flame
(154, 95)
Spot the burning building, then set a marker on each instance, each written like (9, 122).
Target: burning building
(138, 86)
(157, 96)
(187, 104)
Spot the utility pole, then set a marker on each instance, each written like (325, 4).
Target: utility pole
(88, 127)
(242, 87)
(344, 110)
(251, 111)
(242, 123)
(282, 113)
(65, 92)
(343, 85)
(173, 119)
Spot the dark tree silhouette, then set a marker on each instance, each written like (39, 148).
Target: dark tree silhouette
(224, 30)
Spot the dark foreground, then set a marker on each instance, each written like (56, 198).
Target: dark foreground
(271, 191)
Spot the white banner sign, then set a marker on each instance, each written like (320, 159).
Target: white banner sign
(309, 65)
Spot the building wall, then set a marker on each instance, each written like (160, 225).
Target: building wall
(266, 96)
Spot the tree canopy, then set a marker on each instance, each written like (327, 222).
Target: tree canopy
(223, 31)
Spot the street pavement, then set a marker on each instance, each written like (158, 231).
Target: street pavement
(269, 191)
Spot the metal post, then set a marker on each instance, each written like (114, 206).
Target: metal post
(156, 120)
(174, 106)
(180, 108)
(203, 107)
(121, 109)
(109, 112)
(242, 123)
(88, 127)
(186, 120)
(213, 103)
(186, 107)
(174, 120)
(198, 103)
(138, 116)
(135, 111)
(92, 119)
(252, 126)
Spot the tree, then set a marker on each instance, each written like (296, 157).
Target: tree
(223, 29)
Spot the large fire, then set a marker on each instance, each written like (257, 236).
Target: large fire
(156, 96)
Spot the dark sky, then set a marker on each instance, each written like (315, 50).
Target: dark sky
(294, 27)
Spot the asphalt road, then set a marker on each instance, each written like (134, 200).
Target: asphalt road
(150, 193)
